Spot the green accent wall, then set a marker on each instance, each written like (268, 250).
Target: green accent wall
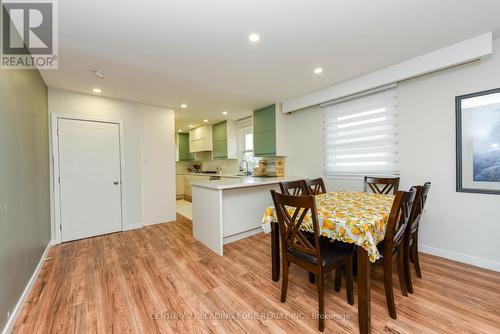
(264, 131)
(24, 182)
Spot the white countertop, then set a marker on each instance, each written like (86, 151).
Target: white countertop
(242, 182)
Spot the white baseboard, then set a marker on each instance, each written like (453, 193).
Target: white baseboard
(9, 326)
(242, 235)
(132, 227)
(165, 221)
(459, 257)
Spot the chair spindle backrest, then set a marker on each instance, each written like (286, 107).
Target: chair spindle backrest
(292, 211)
(316, 186)
(418, 206)
(399, 218)
(382, 185)
(295, 188)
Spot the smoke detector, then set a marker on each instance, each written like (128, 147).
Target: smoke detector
(98, 73)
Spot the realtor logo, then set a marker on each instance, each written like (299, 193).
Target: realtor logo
(29, 34)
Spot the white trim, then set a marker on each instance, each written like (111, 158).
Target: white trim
(453, 55)
(132, 227)
(242, 235)
(54, 168)
(9, 326)
(166, 222)
(459, 257)
(359, 95)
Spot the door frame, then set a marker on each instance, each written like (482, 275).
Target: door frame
(55, 193)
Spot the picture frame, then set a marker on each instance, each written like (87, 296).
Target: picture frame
(478, 142)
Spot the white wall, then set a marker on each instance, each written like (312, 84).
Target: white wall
(464, 227)
(305, 144)
(158, 171)
(138, 119)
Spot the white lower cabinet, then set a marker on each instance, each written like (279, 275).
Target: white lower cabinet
(192, 178)
(179, 185)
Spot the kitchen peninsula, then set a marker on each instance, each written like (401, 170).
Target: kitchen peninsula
(230, 209)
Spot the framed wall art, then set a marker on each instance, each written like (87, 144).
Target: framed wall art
(478, 142)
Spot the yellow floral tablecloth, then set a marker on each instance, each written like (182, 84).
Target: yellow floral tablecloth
(353, 217)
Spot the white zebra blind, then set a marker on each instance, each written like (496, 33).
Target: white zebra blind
(361, 136)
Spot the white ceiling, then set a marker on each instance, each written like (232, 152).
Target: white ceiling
(197, 52)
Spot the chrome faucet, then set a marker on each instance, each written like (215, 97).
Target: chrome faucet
(246, 166)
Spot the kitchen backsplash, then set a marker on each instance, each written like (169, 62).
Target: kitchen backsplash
(182, 166)
(228, 166)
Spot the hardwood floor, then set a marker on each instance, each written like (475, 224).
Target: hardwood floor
(157, 279)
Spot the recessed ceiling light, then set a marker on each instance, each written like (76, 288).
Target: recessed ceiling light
(318, 70)
(254, 37)
(97, 90)
(191, 126)
(180, 130)
(184, 105)
(205, 120)
(224, 113)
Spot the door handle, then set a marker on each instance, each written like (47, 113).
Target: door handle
(116, 183)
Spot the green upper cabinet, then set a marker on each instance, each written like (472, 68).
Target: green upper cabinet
(264, 143)
(219, 132)
(264, 119)
(183, 142)
(224, 140)
(220, 149)
(264, 131)
(268, 131)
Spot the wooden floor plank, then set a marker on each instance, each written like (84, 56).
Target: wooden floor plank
(159, 279)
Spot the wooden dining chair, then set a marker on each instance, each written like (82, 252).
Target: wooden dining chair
(295, 188)
(316, 186)
(313, 255)
(411, 242)
(382, 185)
(298, 188)
(392, 247)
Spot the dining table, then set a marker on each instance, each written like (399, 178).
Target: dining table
(357, 218)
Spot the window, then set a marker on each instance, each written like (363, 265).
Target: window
(245, 143)
(361, 136)
(246, 150)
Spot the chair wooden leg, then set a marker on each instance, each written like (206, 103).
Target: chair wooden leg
(275, 252)
(355, 262)
(416, 262)
(389, 294)
(311, 278)
(284, 282)
(338, 278)
(401, 275)
(321, 298)
(407, 270)
(348, 280)
(364, 291)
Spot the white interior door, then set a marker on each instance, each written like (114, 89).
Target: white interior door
(90, 180)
